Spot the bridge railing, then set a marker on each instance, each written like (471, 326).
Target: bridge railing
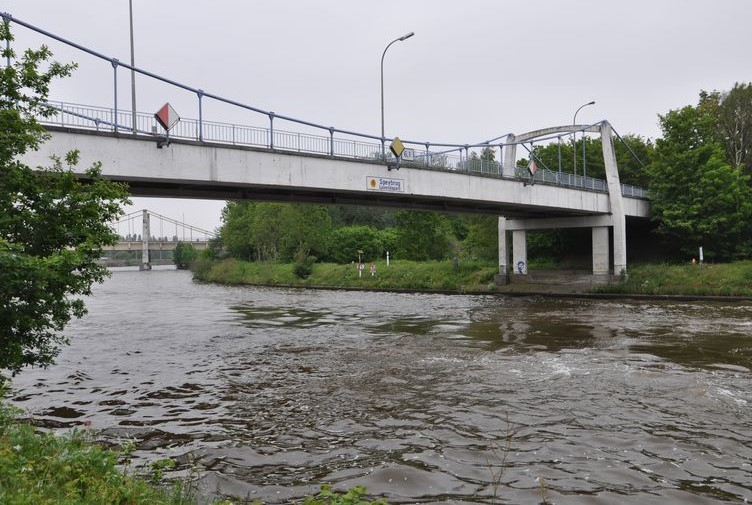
(103, 119)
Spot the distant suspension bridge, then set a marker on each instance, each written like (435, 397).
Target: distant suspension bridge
(138, 233)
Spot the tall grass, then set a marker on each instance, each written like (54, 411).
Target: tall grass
(44, 468)
(400, 274)
(726, 279)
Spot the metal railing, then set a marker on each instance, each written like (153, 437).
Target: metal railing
(103, 119)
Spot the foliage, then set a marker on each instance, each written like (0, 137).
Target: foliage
(698, 198)
(733, 111)
(484, 163)
(44, 468)
(304, 228)
(725, 279)
(267, 229)
(358, 215)
(303, 266)
(52, 226)
(389, 238)
(560, 156)
(344, 244)
(274, 231)
(353, 496)
(184, 255)
(215, 248)
(236, 232)
(422, 235)
(482, 241)
(633, 154)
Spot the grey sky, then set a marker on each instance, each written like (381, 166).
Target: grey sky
(473, 71)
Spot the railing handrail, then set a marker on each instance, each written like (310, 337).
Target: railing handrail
(97, 117)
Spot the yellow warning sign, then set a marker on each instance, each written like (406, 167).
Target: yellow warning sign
(397, 147)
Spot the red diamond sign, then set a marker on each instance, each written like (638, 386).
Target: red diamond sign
(167, 117)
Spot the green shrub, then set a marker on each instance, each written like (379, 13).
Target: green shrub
(184, 255)
(351, 497)
(45, 468)
(303, 266)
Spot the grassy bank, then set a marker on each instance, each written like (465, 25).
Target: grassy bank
(44, 468)
(409, 275)
(725, 279)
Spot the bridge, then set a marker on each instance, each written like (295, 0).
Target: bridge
(136, 233)
(324, 164)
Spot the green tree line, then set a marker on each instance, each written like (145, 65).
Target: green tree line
(281, 232)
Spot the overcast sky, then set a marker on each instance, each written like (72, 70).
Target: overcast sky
(474, 69)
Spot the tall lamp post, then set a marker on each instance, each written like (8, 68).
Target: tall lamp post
(133, 72)
(399, 39)
(574, 134)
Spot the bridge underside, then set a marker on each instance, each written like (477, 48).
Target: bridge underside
(212, 191)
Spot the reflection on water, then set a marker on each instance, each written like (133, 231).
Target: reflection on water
(421, 398)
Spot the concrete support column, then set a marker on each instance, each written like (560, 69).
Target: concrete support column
(616, 200)
(145, 234)
(503, 275)
(510, 157)
(600, 251)
(519, 252)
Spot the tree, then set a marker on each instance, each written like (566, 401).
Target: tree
(358, 215)
(422, 235)
(632, 156)
(482, 241)
(304, 230)
(236, 231)
(698, 198)
(347, 241)
(485, 163)
(52, 225)
(735, 125)
(274, 231)
(184, 255)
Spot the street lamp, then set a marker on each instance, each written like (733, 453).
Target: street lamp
(133, 72)
(399, 39)
(574, 134)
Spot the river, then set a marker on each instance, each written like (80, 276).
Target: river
(264, 393)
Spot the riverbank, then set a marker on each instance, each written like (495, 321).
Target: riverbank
(717, 281)
(400, 275)
(710, 280)
(38, 467)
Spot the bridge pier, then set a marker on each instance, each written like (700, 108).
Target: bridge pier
(601, 253)
(146, 233)
(519, 252)
(602, 271)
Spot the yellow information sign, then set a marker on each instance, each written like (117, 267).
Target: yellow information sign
(397, 147)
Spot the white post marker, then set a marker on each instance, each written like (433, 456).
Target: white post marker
(387, 258)
(701, 258)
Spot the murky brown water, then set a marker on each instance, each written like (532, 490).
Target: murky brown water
(421, 398)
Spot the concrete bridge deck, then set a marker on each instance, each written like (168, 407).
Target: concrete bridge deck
(203, 170)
